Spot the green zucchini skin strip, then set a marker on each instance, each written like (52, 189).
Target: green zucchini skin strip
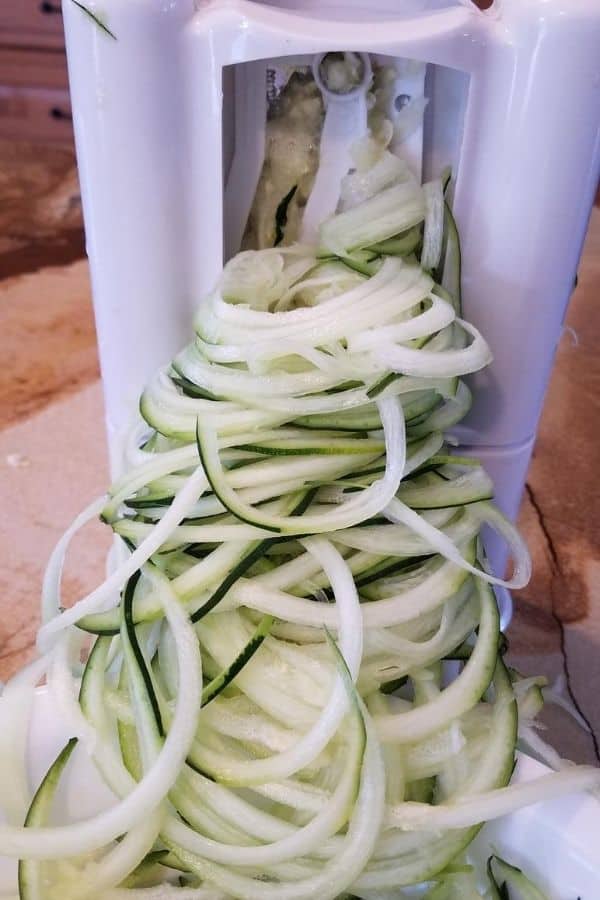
(95, 19)
(224, 678)
(449, 272)
(247, 562)
(403, 245)
(281, 215)
(108, 623)
(236, 573)
(421, 493)
(306, 449)
(147, 868)
(128, 740)
(129, 636)
(510, 877)
(214, 483)
(30, 877)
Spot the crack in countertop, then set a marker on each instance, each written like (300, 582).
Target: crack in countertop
(557, 572)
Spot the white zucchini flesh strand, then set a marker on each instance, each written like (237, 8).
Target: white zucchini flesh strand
(51, 599)
(151, 469)
(461, 695)
(302, 841)
(467, 811)
(336, 875)
(407, 862)
(397, 511)
(165, 892)
(106, 595)
(441, 363)
(316, 739)
(176, 416)
(387, 612)
(438, 316)
(407, 287)
(262, 681)
(63, 688)
(83, 837)
(364, 505)
(393, 210)
(249, 319)
(98, 878)
(240, 383)
(328, 821)
(342, 582)
(16, 703)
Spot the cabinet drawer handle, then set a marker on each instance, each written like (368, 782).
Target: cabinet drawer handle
(49, 8)
(62, 115)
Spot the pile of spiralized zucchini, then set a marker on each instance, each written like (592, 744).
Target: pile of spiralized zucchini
(293, 679)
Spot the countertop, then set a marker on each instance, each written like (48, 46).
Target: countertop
(53, 456)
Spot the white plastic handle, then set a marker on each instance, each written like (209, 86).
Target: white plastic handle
(345, 122)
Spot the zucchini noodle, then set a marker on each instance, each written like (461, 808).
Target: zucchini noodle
(295, 686)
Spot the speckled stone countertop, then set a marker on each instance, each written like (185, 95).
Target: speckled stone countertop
(53, 455)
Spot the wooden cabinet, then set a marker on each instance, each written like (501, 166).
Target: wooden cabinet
(31, 23)
(34, 94)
